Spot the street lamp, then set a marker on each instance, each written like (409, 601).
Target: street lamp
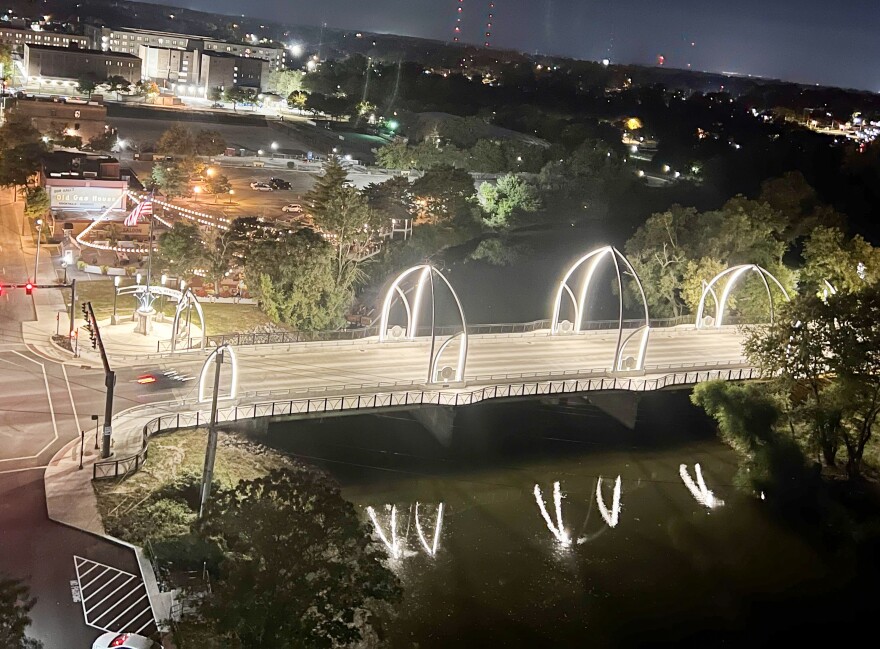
(115, 293)
(39, 238)
(197, 190)
(274, 149)
(231, 194)
(66, 261)
(260, 153)
(209, 172)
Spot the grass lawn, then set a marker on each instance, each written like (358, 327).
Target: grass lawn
(221, 318)
(177, 454)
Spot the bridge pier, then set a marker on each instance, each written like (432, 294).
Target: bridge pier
(438, 420)
(621, 406)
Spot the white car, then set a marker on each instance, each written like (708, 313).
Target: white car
(293, 208)
(261, 187)
(124, 641)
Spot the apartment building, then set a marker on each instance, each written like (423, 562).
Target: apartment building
(18, 38)
(42, 62)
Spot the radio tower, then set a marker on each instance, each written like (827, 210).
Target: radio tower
(489, 17)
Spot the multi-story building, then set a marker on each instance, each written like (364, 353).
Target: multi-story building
(274, 55)
(59, 63)
(219, 70)
(18, 38)
(83, 119)
(169, 66)
(129, 40)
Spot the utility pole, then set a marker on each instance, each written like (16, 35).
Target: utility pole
(109, 376)
(211, 451)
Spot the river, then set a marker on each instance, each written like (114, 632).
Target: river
(671, 569)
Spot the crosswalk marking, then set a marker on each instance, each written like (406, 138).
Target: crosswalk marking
(113, 600)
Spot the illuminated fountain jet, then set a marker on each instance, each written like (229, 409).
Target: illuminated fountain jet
(698, 490)
(395, 548)
(557, 528)
(431, 548)
(611, 517)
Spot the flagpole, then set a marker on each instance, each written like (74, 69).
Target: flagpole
(149, 300)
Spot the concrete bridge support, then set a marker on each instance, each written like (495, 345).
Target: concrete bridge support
(622, 406)
(438, 420)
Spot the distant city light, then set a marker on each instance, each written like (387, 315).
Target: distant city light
(296, 49)
(606, 62)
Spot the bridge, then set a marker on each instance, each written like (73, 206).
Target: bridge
(396, 367)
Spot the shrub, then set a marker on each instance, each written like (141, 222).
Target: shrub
(105, 270)
(80, 264)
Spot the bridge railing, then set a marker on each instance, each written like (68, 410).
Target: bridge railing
(538, 385)
(289, 337)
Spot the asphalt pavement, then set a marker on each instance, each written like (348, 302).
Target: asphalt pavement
(43, 406)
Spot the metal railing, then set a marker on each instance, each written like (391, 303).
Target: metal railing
(590, 381)
(289, 337)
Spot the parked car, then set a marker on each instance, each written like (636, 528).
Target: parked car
(216, 104)
(124, 641)
(259, 163)
(292, 208)
(261, 187)
(279, 183)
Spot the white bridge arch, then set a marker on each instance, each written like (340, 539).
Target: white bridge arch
(735, 273)
(424, 274)
(579, 302)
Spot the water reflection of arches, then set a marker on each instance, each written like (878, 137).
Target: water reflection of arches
(735, 274)
(579, 303)
(424, 280)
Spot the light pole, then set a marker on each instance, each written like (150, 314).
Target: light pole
(231, 194)
(115, 294)
(274, 149)
(162, 296)
(39, 238)
(197, 190)
(95, 419)
(67, 260)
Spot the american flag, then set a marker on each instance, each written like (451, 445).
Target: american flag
(142, 209)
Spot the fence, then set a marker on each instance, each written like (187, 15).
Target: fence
(538, 385)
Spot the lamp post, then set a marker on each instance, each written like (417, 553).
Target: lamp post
(95, 419)
(39, 239)
(115, 293)
(231, 194)
(197, 190)
(274, 149)
(67, 260)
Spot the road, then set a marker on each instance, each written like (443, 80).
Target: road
(43, 406)
(317, 366)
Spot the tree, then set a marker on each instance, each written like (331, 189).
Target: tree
(209, 142)
(340, 211)
(442, 194)
(15, 607)
(215, 94)
(510, 195)
(293, 277)
(239, 95)
(104, 142)
(21, 148)
(300, 569)
(87, 84)
(177, 141)
(5, 62)
(848, 265)
(392, 198)
(172, 178)
(825, 353)
(149, 90)
(181, 249)
(217, 184)
(297, 99)
(285, 82)
(117, 84)
(36, 202)
(219, 254)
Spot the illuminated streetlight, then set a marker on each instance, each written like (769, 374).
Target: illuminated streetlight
(197, 190)
(209, 172)
(231, 194)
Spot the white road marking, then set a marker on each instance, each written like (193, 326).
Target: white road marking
(51, 411)
(70, 394)
(120, 588)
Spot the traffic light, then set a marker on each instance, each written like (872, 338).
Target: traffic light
(29, 288)
(1, 290)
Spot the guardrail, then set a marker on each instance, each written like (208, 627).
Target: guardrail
(594, 380)
(287, 337)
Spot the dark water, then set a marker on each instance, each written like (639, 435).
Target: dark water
(671, 572)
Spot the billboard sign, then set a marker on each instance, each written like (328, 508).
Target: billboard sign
(85, 198)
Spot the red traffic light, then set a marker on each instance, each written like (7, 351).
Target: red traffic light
(29, 288)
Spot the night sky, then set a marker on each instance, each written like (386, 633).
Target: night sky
(832, 42)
